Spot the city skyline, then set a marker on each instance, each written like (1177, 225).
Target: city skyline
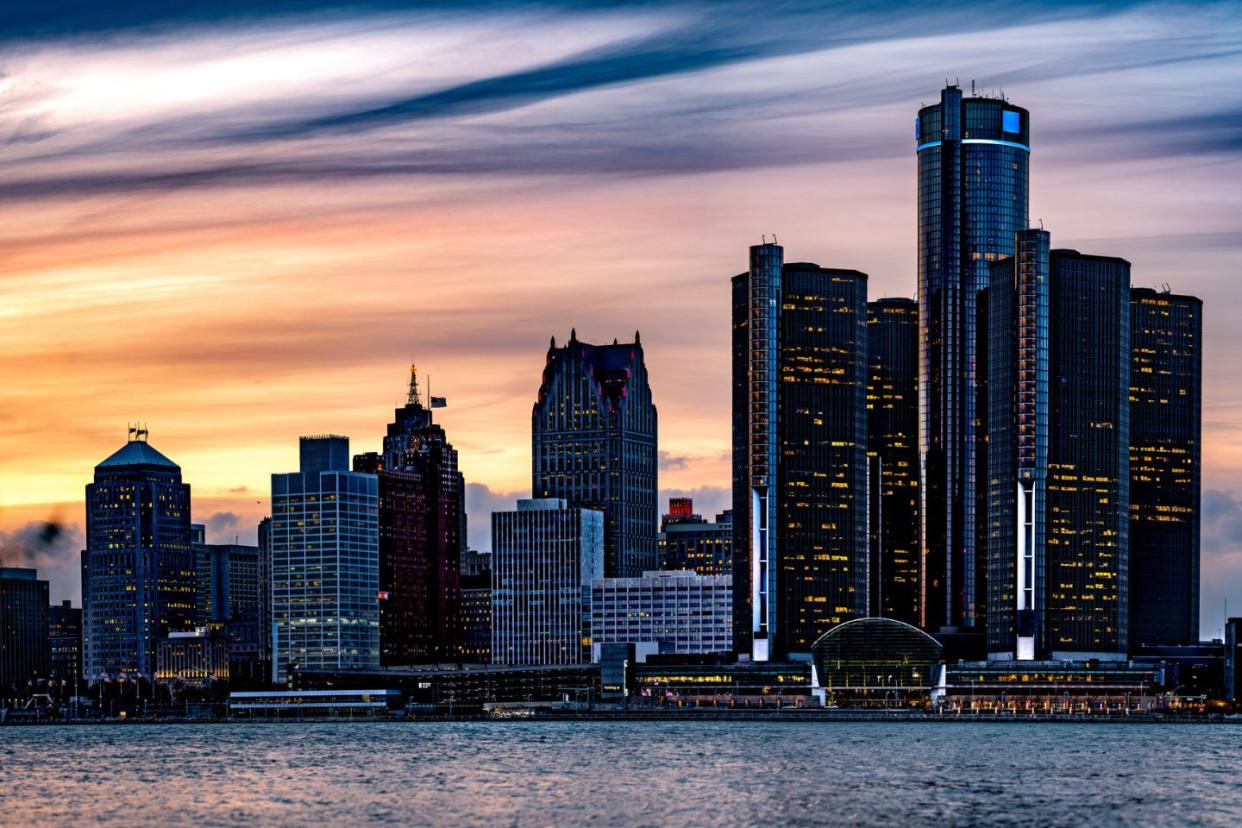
(177, 361)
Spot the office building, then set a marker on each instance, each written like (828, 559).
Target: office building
(228, 578)
(1233, 660)
(799, 453)
(1057, 452)
(973, 176)
(23, 630)
(1166, 367)
(422, 536)
(325, 562)
(64, 642)
(138, 569)
(476, 607)
(197, 658)
(893, 458)
(594, 445)
(678, 613)
(544, 557)
(688, 542)
(264, 533)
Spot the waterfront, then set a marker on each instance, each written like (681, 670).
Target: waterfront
(621, 773)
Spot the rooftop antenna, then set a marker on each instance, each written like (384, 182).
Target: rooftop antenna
(412, 398)
(1041, 224)
(972, 86)
(774, 241)
(765, 238)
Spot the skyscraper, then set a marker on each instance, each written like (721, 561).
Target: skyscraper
(24, 651)
(1057, 443)
(228, 579)
(893, 453)
(421, 518)
(64, 642)
(138, 568)
(593, 433)
(1166, 347)
(799, 452)
(1016, 359)
(973, 177)
(1088, 521)
(544, 557)
(325, 562)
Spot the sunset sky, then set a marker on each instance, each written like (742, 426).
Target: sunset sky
(239, 225)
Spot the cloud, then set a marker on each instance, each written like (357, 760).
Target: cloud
(481, 501)
(53, 548)
(1220, 560)
(669, 461)
(222, 523)
(708, 500)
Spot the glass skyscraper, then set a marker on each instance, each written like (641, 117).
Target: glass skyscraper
(800, 442)
(1057, 453)
(138, 568)
(1166, 347)
(893, 453)
(1088, 520)
(325, 562)
(593, 432)
(544, 557)
(973, 177)
(24, 651)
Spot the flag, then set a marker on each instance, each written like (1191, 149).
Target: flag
(439, 402)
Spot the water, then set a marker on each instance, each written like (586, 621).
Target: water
(628, 773)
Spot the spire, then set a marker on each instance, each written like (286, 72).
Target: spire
(637, 340)
(413, 399)
(573, 335)
(553, 345)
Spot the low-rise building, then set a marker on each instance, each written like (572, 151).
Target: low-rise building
(670, 612)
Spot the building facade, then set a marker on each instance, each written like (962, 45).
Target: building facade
(138, 568)
(594, 429)
(1088, 520)
(197, 658)
(422, 536)
(64, 642)
(799, 452)
(23, 630)
(476, 607)
(1166, 388)
(325, 562)
(544, 557)
(973, 182)
(688, 542)
(228, 578)
(677, 613)
(893, 458)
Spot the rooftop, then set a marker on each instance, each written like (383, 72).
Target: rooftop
(137, 453)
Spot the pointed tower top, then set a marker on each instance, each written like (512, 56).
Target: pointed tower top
(553, 345)
(637, 339)
(413, 399)
(573, 334)
(614, 341)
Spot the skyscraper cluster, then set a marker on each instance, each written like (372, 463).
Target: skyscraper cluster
(1009, 461)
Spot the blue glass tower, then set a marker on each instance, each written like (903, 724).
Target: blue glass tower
(973, 181)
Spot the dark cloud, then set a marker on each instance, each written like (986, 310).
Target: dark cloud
(481, 501)
(1220, 559)
(222, 523)
(53, 548)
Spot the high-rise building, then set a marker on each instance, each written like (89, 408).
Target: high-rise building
(1057, 448)
(673, 613)
(594, 445)
(1014, 354)
(544, 557)
(799, 452)
(688, 542)
(228, 580)
(64, 642)
(422, 537)
(23, 629)
(264, 533)
(1088, 520)
(1166, 348)
(476, 607)
(138, 567)
(893, 457)
(973, 177)
(325, 562)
